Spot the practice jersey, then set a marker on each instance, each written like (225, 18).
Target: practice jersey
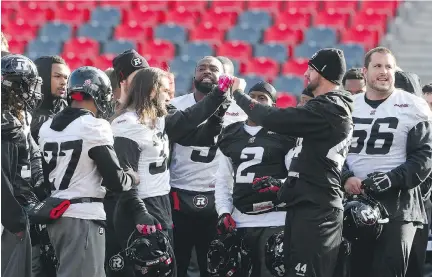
(153, 145)
(68, 166)
(380, 135)
(194, 168)
(247, 153)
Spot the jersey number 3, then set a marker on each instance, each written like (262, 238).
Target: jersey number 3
(375, 134)
(197, 155)
(254, 156)
(59, 156)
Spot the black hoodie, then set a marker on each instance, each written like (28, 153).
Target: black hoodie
(50, 105)
(323, 128)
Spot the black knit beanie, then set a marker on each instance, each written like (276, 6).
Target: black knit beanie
(126, 63)
(266, 88)
(329, 63)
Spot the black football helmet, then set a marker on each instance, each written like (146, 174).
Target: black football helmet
(274, 254)
(20, 79)
(228, 256)
(49, 261)
(151, 255)
(95, 83)
(363, 218)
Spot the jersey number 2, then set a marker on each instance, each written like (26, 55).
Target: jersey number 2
(254, 156)
(59, 156)
(375, 134)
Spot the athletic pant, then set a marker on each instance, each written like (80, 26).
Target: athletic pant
(312, 238)
(417, 256)
(16, 259)
(193, 269)
(190, 231)
(79, 245)
(255, 238)
(386, 257)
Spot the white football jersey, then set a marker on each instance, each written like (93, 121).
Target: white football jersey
(380, 135)
(194, 168)
(154, 146)
(72, 172)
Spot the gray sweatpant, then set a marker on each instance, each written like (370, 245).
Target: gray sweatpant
(79, 245)
(15, 255)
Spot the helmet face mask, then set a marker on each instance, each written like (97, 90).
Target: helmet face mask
(274, 254)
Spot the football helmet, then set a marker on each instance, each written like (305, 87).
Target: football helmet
(274, 254)
(95, 83)
(151, 255)
(20, 79)
(48, 257)
(228, 256)
(363, 218)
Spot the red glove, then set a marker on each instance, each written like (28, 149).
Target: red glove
(225, 82)
(266, 184)
(225, 224)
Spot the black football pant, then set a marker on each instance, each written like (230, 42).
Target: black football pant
(313, 235)
(417, 256)
(190, 231)
(255, 238)
(386, 257)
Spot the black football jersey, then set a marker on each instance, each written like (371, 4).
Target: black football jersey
(253, 157)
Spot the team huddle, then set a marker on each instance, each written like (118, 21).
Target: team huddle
(109, 175)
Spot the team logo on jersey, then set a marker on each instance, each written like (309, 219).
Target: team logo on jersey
(200, 201)
(116, 262)
(252, 140)
(373, 112)
(136, 62)
(101, 230)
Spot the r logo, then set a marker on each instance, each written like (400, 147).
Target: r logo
(136, 62)
(200, 201)
(21, 64)
(116, 262)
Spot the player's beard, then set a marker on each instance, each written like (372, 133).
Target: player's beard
(160, 106)
(381, 89)
(203, 87)
(313, 85)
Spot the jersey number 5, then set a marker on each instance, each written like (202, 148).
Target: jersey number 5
(254, 156)
(59, 156)
(375, 134)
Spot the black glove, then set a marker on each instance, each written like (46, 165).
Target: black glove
(266, 184)
(225, 224)
(377, 182)
(146, 223)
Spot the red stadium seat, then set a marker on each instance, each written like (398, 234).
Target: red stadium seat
(192, 6)
(310, 6)
(371, 20)
(88, 4)
(237, 6)
(341, 6)
(17, 46)
(219, 18)
(71, 14)
(239, 50)
(74, 61)
(271, 6)
(15, 5)
(385, 7)
(104, 61)
(119, 4)
(85, 47)
(183, 17)
(208, 33)
(40, 4)
(144, 17)
(360, 35)
(157, 62)
(294, 19)
(265, 67)
(295, 67)
(21, 31)
(286, 100)
(282, 34)
(158, 48)
(133, 32)
(33, 16)
(333, 19)
(152, 5)
(7, 13)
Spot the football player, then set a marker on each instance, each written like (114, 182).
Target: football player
(312, 191)
(142, 134)
(390, 156)
(77, 153)
(353, 81)
(54, 73)
(252, 158)
(21, 92)
(193, 172)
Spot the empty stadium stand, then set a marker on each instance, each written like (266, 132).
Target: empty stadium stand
(268, 40)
